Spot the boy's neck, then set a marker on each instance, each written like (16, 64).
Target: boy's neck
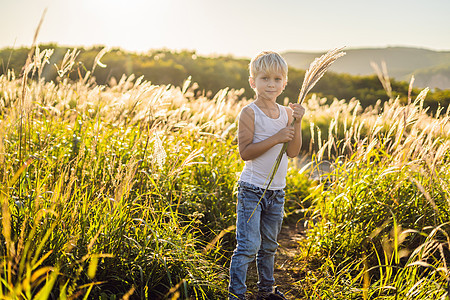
(269, 108)
(266, 103)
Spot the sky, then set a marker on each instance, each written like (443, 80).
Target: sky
(241, 28)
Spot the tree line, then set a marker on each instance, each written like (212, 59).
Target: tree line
(164, 66)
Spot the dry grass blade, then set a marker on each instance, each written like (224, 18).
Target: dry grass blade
(383, 77)
(411, 82)
(218, 237)
(99, 56)
(20, 171)
(67, 62)
(36, 33)
(26, 70)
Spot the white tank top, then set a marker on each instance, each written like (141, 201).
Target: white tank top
(257, 171)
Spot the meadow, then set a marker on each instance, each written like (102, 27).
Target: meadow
(127, 190)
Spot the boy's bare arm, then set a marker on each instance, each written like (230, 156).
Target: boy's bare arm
(249, 150)
(294, 146)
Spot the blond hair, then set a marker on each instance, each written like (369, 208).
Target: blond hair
(268, 62)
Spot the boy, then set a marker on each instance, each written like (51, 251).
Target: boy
(264, 126)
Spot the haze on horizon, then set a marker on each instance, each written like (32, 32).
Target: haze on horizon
(238, 28)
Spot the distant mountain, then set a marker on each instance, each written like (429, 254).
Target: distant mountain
(430, 68)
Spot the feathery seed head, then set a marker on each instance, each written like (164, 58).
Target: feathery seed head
(316, 70)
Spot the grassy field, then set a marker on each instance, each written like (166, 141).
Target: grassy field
(128, 191)
(379, 225)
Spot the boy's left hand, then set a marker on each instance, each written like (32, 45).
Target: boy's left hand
(297, 111)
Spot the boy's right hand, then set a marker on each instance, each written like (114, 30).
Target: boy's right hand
(285, 135)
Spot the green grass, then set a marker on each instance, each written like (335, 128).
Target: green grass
(380, 229)
(128, 190)
(122, 194)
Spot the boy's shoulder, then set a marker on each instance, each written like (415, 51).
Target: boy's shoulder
(247, 111)
(248, 108)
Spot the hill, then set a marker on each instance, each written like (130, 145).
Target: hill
(211, 74)
(430, 68)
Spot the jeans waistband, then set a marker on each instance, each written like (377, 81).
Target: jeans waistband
(254, 187)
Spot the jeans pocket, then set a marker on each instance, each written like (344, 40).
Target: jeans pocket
(248, 198)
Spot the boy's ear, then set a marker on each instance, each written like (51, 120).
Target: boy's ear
(252, 82)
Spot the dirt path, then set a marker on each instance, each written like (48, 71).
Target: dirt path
(286, 268)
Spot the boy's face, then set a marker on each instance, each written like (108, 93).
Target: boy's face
(268, 85)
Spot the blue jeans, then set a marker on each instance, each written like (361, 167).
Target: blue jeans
(256, 237)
